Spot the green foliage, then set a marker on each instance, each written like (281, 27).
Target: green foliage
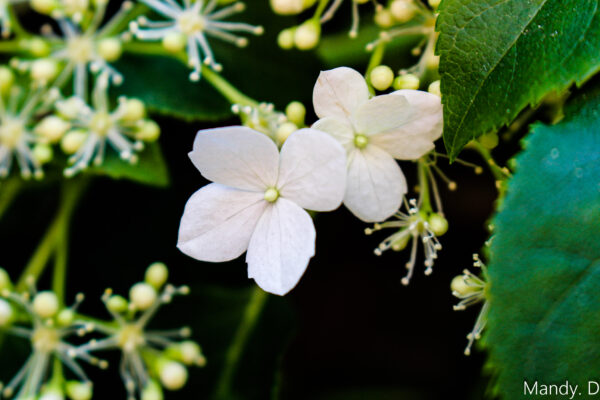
(498, 56)
(545, 258)
(151, 168)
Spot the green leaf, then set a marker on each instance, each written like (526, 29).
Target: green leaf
(498, 56)
(545, 259)
(163, 84)
(151, 168)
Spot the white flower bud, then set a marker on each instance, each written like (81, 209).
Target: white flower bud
(173, 375)
(44, 70)
(44, 6)
(434, 3)
(38, 47)
(296, 112)
(7, 78)
(5, 283)
(284, 131)
(174, 42)
(42, 153)
(432, 61)
(157, 274)
(52, 128)
(142, 296)
(382, 77)
(191, 353)
(285, 39)
(152, 391)
(434, 88)
(384, 18)
(489, 140)
(400, 244)
(403, 10)
(52, 394)
(6, 313)
(307, 35)
(408, 81)
(117, 304)
(110, 49)
(287, 7)
(73, 7)
(438, 224)
(70, 108)
(45, 304)
(134, 110)
(72, 141)
(459, 286)
(148, 131)
(79, 390)
(65, 317)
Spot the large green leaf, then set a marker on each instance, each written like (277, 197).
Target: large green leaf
(545, 259)
(498, 56)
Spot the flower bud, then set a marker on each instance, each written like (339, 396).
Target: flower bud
(459, 286)
(384, 18)
(173, 375)
(287, 7)
(65, 317)
(7, 78)
(157, 275)
(307, 35)
(134, 110)
(72, 141)
(73, 7)
(110, 49)
(5, 283)
(142, 296)
(296, 112)
(432, 61)
(52, 393)
(38, 47)
(434, 3)
(407, 81)
(285, 39)
(44, 6)
(152, 391)
(284, 131)
(45, 304)
(44, 70)
(400, 244)
(70, 108)
(42, 153)
(148, 131)
(174, 42)
(191, 353)
(117, 304)
(79, 390)
(434, 88)
(403, 10)
(6, 313)
(52, 128)
(438, 224)
(382, 77)
(489, 140)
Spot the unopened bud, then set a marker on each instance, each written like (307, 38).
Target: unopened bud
(148, 131)
(174, 42)
(285, 39)
(42, 153)
(407, 81)
(52, 128)
(307, 35)
(403, 10)
(438, 224)
(382, 77)
(173, 375)
(157, 275)
(134, 110)
(434, 88)
(152, 391)
(284, 131)
(65, 317)
(384, 18)
(79, 390)
(7, 78)
(44, 6)
(72, 141)
(45, 304)
(110, 49)
(6, 313)
(296, 112)
(44, 70)
(142, 296)
(117, 304)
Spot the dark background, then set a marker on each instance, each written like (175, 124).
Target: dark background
(349, 330)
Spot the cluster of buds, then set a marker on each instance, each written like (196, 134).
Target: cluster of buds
(399, 12)
(382, 78)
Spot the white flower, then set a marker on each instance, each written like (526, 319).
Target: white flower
(402, 125)
(188, 26)
(258, 199)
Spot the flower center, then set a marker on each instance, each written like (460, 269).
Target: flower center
(80, 49)
(190, 22)
(130, 338)
(271, 195)
(45, 339)
(361, 141)
(11, 132)
(101, 123)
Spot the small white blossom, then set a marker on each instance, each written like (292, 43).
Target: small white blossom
(190, 25)
(375, 131)
(257, 201)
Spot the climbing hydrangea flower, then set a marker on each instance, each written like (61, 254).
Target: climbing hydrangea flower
(94, 127)
(257, 200)
(188, 27)
(375, 131)
(472, 289)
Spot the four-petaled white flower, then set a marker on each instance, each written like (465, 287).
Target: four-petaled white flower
(257, 201)
(402, 125)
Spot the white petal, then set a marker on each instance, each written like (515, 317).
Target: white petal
(375, 185)
(236, 156)
(415, 138)
(218, 222)
(312, 171)
(281, 247)
(341, 130)
(382, 113)
(339, 92)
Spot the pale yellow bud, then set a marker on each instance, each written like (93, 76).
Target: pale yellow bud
(110, 49)
(382, 77)
(174, 42)
(72, 141)
(307, 35)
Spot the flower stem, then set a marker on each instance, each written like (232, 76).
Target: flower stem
(16, 26)
(376, 59)
(424, 198)
(72, 191)
(499, 173)
(60, 264)
(251, 315)
(8, 192)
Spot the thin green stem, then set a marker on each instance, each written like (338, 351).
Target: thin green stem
(236, 348)
(72, 191)
(8, 193)
(16, 26)
(120, 22)
(320, 9)
(424, 196)
(499, 173)
(10, 46)
(60, 264)
(226, 89)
